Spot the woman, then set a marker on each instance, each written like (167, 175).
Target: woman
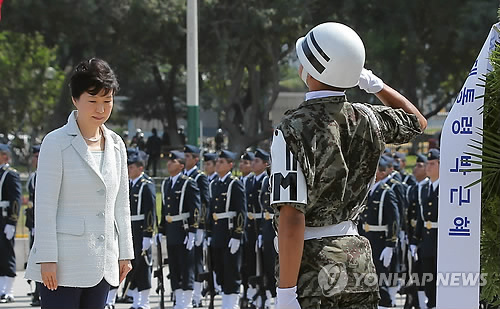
(83, 240)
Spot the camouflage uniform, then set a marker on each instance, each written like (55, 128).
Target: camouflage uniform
(338, 146)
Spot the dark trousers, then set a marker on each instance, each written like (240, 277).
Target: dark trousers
(181, 267)
(7, 255)
(142, 266)
(248, 260)
(429, 266)
(75, 298)
(198, 262)
(227, 268)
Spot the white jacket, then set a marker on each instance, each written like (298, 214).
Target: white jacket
(82, 216)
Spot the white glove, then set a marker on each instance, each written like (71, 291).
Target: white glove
(189, 241)
(369, 82)
(158, 238)
(386, 256)
(199, 237)
(259, 241)
(413, 250)
(234, 244)
(402, 237)
(207, 242)
(147, 242)
(9, 231)
(33, 232)
(287, 298)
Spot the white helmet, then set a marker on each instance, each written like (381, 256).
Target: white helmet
(333, 54)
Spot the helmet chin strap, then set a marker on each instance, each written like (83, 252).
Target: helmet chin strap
(303, 76)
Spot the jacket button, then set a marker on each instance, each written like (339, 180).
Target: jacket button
(101, 238)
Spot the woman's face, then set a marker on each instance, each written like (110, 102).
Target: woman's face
(94, 109)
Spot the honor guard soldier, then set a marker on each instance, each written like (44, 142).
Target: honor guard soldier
(209, 160)
(325, 154)
(394, 181)
(143, 216)
(246, 167)
(181, 209)
(414, 196)
(192, 154)
(400, 159)
(247, 178)
(227, 218)
(265, 239)
(379, 223)
(426, 231)
(10, 200)
(30, 213)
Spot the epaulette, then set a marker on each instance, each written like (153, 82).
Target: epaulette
(395, 181)
(185, 177)
(11, 169)
(5, 167)
(386, 186)
(233, 177)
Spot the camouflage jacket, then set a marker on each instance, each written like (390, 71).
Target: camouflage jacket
(338, 145)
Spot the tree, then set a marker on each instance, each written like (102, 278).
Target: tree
(243, 45)
(423, 49)
(31, 82)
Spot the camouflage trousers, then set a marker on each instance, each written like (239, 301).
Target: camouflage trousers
(344, 301)
(337, 272)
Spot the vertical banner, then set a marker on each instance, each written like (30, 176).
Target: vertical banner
(458, 268)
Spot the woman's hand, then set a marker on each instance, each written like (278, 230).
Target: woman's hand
(125, 268)
(49, 277)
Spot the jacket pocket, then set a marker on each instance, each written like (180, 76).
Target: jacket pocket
(70, 225)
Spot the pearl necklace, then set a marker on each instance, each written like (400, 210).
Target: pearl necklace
(94, 139)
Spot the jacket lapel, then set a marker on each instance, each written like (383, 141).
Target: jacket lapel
(82, 149)
(109, 153)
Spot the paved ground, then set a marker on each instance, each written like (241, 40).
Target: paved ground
(22, 300)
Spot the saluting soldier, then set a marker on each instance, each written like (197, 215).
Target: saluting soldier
(227, 218)
(325, 154)
(30, 213)
(192, 154)
(209, 160)
(181, 209)
(10, 200)
(379, 223)
(426, 231)
(415, 296)
(248, 257)
(265, 239)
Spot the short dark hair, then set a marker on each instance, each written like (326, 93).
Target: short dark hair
(92, 76)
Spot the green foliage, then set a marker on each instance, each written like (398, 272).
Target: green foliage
(488, 159)
(31, 82)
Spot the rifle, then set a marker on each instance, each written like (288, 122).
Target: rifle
(209, 276)
(259, 280)
(158, 273)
